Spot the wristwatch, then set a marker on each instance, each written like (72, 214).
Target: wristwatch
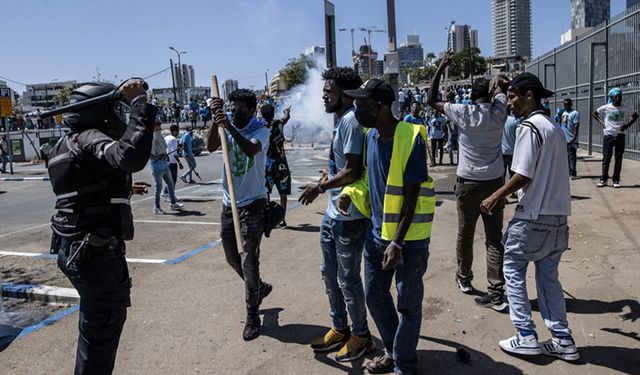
(321, 189)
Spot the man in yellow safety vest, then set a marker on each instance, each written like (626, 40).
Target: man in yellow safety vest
(398, 195)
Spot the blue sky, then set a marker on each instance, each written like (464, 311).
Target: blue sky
(45, 40)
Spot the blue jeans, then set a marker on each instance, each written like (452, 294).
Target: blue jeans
(159, 177)
(191, 164)
(341, 243)
(541, 241)
(400, 336)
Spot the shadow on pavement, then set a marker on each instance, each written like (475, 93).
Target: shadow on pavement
(618, 331)
(625, 360)
(184, 212)
(304, 334)
(446, 362)
(305, 228)
(579, 198)
(592, 306)
(197, 200)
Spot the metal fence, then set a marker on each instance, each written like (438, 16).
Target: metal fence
(586, 68)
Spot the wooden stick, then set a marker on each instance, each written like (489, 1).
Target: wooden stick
(227, 169)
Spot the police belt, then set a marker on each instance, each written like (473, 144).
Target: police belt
(91, 246)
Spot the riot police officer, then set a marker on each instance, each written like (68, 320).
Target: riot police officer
(111, 132)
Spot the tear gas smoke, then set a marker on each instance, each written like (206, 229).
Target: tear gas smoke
(309, 122)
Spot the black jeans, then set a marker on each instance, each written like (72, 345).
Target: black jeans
(247, 265)
(572, 151)
(104, 286)
(612, 145)
(437, 144)
(469, 195)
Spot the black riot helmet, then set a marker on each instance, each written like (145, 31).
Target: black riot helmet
(96, 105)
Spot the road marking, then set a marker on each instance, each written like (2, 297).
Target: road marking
(193, 253)
(47, 322)
(176, 222)
(54, 256)
(24, 230)
(152, 196)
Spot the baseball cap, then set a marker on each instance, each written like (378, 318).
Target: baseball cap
(528, 81)
(375, 89)
(615, 92)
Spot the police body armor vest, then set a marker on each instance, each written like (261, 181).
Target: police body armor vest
(89, 197)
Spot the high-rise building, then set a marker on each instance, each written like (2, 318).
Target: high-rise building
(228, 86)
(511, 27)
(589, 13)
(461, 37)
(632, 3)
(410, 51)
(185, 76)
(315, 52)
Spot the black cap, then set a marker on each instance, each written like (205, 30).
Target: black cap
(527, 81)
(375, 89)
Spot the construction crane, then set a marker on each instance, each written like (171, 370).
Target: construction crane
(353, 46)
(369, 30)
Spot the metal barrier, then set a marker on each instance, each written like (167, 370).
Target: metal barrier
(587, 67)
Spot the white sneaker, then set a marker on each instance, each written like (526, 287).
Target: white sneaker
(519, 344)
(616, 185)
(160, 211)
(601, 183)
(564, 348)
(176, 206)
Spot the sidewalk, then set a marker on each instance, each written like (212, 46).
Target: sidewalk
(188, 318)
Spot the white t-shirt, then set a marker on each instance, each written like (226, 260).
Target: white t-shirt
(172, 146)
(540, 153)
(613, 118)
(480, 128)
(401, 96)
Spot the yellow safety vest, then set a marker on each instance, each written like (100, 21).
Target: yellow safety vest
(420, 228)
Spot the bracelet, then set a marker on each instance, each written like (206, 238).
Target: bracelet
(394, 244)
(321, 189)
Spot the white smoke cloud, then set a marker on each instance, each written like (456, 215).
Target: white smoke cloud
(309, 122)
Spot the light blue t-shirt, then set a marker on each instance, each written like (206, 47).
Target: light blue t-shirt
(348, 138)
(187, 144)
(568, 123)
(509, 135)
(247, 172)
(414, 120)
(436, 128)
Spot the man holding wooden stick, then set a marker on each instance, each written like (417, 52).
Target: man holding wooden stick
(248, 141)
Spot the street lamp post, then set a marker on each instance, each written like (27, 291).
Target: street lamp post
(179, 70)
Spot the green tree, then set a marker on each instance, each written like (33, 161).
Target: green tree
(62, 97)
(295, 72)
(466, 60)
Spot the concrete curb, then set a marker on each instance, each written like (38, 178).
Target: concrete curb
(7, 179)
(43, 293)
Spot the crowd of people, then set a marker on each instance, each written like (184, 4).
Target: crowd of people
(380, 207)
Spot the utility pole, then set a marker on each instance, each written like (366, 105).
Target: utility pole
(175, 96)
(330, 33)
(179, 78)
(391, 22)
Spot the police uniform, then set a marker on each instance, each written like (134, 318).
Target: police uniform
(90, 170)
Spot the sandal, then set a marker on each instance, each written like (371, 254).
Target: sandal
(380, 365)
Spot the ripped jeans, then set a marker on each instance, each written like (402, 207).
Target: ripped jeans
(342, 243)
